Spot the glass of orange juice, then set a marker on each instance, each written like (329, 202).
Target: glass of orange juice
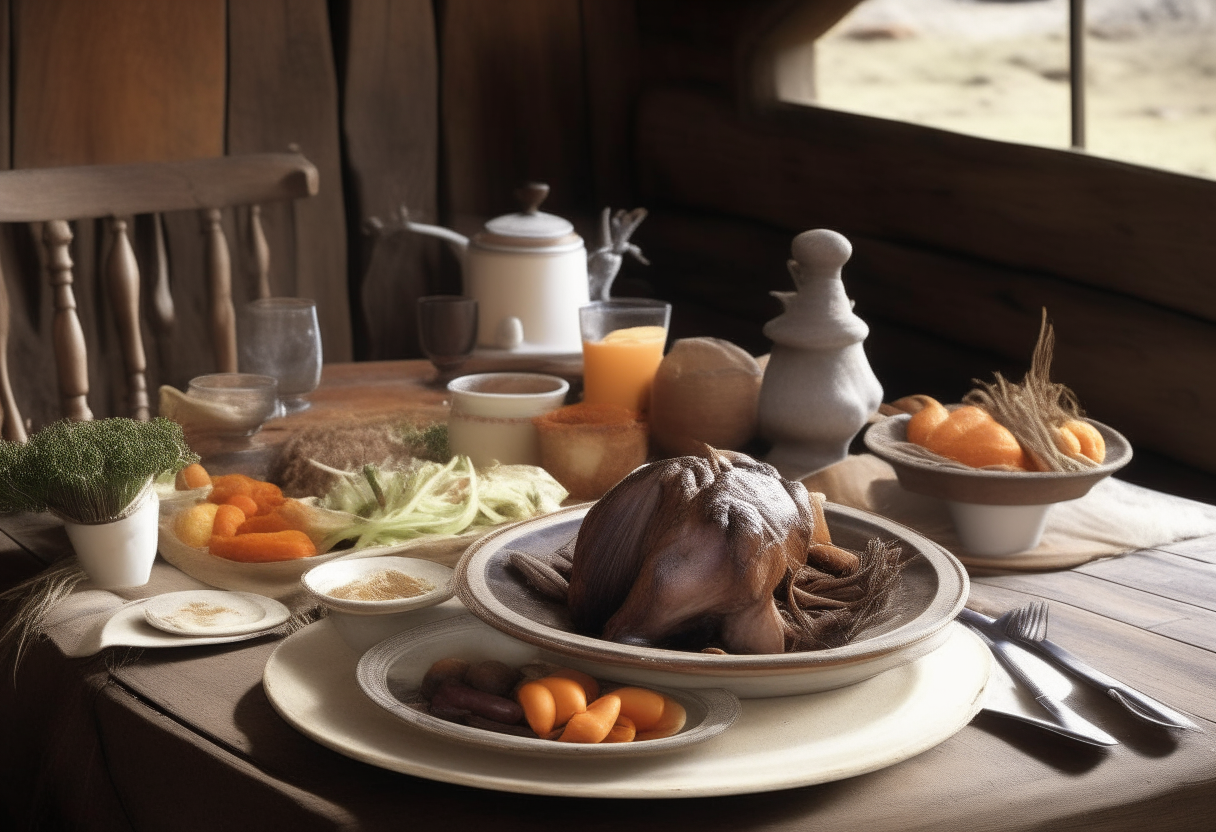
(623, 343)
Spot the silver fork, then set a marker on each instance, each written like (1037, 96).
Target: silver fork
(1028, 625)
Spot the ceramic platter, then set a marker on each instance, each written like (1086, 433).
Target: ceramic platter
(776, 743)
(888, 439)
(932, 590)
(391, 673)
(280, 579)
(209, 612)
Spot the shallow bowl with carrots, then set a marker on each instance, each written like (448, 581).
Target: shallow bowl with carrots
(392, 674)
(996, 495)
(235, 532)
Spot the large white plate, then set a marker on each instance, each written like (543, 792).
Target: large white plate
(391, 673)
(776, 743)
(932, 590)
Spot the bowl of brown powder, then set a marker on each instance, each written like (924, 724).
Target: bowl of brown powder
(379, 585)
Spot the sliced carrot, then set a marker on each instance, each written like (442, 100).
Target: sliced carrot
(263, 547)
(590, 687)
(593, 724)
(192, 476)
(227, 485)
(540, 709)
(569, 698)
(244, 502)
(623, 731)
(673, 719)
(272, 522)
(228, 519)
(267, 495)
(644, 707)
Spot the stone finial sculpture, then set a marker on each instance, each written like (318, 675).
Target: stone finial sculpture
(818, 389)
(604, 262)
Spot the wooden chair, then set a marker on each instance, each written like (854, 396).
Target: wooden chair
(55, 196)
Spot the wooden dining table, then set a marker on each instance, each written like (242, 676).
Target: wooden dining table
(187, 738)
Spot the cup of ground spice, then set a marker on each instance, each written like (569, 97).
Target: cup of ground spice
(369, 599)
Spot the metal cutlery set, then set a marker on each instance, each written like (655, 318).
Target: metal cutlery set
(1018, 641)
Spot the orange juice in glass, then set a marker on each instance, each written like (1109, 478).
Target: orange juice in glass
(623, 343)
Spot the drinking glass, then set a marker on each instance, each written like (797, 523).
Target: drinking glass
(447, 330)
(623, 343)
(281, 338)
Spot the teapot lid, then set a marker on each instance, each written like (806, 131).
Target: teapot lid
(531, 227)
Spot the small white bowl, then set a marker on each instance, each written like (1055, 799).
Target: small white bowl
(362, 624)
(322, 581)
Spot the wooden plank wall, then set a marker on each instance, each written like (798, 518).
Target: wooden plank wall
(959, 242)
(444, 107)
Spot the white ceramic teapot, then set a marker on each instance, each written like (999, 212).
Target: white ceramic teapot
(528, 274)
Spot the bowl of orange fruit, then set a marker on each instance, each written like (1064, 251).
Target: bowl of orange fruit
(998, 486)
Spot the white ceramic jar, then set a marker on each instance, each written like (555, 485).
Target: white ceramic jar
(119, 554)
(491, 418)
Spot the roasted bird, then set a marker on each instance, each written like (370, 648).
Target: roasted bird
(687, 552)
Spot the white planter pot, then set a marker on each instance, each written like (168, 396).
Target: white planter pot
(119, 554)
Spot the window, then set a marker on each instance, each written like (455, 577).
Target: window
(1000, 69)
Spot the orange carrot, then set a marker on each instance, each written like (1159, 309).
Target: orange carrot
(272, 522)
(569, 698)
(593, 724)
(540, 709)
(228, 519)
(244, 502)
(623, 731)
(643, 707)
(267, 495)
(226, 485)
(670, 723)
(263, 547)
(192, 476)
(590, 687)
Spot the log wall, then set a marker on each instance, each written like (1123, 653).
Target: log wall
(442, 107)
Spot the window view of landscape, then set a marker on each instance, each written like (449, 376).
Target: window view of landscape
(999, 69)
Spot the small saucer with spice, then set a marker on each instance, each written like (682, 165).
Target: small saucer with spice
(371, 598)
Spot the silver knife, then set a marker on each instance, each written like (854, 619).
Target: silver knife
(1013, 659)
(1139, 704)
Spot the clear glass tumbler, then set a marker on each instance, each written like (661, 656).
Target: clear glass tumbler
(281, 338)
(623, 341)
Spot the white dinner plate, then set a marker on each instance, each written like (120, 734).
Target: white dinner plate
(776, 743)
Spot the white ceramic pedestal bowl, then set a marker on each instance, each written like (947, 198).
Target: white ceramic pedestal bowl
(995, 513)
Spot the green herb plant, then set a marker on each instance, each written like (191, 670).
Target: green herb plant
(89, 472)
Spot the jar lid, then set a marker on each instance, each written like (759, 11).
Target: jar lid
(530, 228)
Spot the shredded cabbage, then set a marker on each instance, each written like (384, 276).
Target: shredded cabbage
(384, 505)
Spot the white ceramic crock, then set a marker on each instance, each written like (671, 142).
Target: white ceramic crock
(491, 418)
(119, 554)
(528, 273)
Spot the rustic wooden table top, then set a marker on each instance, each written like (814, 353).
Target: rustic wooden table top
(188, 734)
